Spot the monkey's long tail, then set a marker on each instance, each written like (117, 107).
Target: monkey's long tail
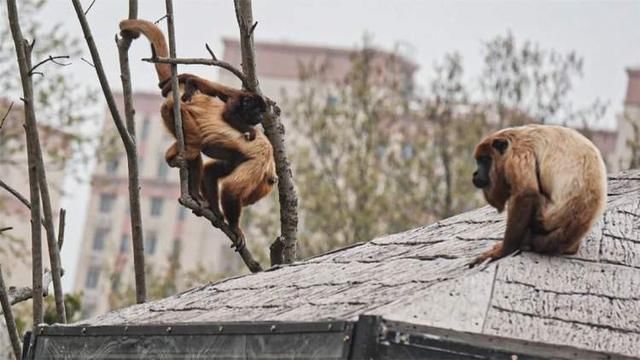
(157, 40)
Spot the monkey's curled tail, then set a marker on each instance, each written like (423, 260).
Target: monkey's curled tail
(157, 40)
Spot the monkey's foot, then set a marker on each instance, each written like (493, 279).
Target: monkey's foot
(493, 254)
(240, 242)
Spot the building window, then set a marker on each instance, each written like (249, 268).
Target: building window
(106, 202)
(156, 205)
(163, 169)
(112, 166)
(150, 242)
(145, 128)
(182, 212)
(124, 243)
(99, 238)
(92, 277)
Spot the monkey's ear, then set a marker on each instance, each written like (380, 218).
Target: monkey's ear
(500, 144)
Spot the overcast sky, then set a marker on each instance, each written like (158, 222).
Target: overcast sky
(605, 33)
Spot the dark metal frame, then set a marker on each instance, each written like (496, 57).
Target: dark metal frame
(370, 337)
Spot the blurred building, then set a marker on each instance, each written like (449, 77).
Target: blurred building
(171, 232)
(630, 115)
(15, 251)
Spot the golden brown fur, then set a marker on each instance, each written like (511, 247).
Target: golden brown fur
(552, 181)
(245, 170)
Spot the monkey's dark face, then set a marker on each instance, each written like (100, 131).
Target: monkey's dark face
(489, 175)
(481, 178)
(252, 108)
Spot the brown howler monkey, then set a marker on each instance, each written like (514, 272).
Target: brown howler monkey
(245, 169)
(553, 182)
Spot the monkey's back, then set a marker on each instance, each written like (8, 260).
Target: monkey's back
(570, 168)
(254, 177)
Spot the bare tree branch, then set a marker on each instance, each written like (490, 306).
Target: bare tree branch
(185, 198)
(89, 8)
(52, 59)
(8, 318)
(61, 225)
(23, 53)
(5, 229)
(201, 61)
(88, 62)
(33, 144)
(160, 19)
(274, 130)
(124, 43)
(130, 150)
(213, 56)
(18, 196)
(6, 115)
(15, 193)
(18, 295)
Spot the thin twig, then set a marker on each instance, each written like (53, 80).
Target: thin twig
(18, 196)
(8, 318)
(201, 61)
(52, 59)
(127, 139)
(89, 8)
(253, 27)
(5, 229)
(162, 18)
(61, 225)
(6, 115)
(88, 62)
(15, 193)
(274, 130)
(213, 56)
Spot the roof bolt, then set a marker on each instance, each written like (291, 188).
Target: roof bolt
(346, 338)
(220, 328)
(273, 328)
(83, 331)
(169, 329)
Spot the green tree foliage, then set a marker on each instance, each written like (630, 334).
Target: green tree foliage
(523, 83)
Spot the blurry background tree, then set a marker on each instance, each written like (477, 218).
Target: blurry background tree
(523, 82)
(372, 157)
(63, 103)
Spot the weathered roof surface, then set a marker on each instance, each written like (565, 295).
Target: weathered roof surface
(590, 300)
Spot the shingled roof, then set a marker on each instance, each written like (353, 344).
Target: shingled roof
(589, 301)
